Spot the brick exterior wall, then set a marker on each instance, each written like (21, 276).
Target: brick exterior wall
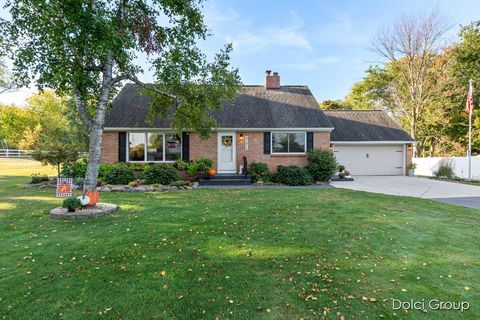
(408, 155)
(208, 148)
(204, 148)
(321, 140)
(109, 153)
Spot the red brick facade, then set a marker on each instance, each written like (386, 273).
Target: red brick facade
(321, 140)
(204, 148)
(109, 147)
(208, 148)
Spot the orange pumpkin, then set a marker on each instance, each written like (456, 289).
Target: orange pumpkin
(211, 172)
(94, 197)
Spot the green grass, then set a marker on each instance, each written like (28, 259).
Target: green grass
(235, 254)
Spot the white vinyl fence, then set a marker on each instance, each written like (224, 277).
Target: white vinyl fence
(15, 153)
(428, 166)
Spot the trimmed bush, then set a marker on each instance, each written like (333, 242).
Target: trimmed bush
(292, 176)
(204, 164)
(322, 165)
(75, 169)
(259, 171)
(181, 165)
(445, 169)
(71, 204)
(340, 167)
(38, 178)
(192, 169)
(201, 165)
(119, 174)
(161, 174)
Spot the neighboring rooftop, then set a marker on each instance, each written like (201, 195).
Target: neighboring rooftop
(254, 107)
(364, 125)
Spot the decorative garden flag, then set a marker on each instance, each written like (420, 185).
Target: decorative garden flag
(64, 187)
(469, 107)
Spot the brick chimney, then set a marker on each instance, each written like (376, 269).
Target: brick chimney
(272, 81)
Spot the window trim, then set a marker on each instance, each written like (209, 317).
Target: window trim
(288, 146)
(145, 153)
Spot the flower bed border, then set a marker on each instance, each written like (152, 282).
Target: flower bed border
(100, 209)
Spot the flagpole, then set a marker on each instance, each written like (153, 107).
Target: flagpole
(470, 141)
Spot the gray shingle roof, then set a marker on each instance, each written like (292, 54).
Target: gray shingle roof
(254, 107)
(364, 125)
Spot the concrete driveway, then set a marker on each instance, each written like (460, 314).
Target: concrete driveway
(449, 192)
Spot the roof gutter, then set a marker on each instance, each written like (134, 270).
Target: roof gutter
(222, 129)
(372, 142)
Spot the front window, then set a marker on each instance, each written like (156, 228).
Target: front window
(160, 147)
(173, 147)
(136, 146)
(288, 142)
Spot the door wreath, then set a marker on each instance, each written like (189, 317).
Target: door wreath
(227, 141)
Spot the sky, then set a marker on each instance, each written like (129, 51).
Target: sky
(322, 44)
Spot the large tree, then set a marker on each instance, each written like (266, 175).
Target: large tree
(410, 47)
(88, 47)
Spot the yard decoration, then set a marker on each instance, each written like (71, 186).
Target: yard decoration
(64, 187)
(211, 172)
(94, 196)
(84, 200)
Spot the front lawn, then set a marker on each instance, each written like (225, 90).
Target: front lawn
(235, 254)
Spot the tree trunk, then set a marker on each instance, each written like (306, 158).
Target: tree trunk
(96, 131)
(94, 153)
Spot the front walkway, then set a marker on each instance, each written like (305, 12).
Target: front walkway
(449, 192)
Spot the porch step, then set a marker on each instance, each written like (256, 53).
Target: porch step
(226, 180)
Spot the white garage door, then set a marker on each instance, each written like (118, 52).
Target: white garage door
(372, 160)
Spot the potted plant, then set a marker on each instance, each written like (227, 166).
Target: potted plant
(411, 169)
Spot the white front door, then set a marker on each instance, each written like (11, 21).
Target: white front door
(226, 152)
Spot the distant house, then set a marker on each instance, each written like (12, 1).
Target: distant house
(271, 123)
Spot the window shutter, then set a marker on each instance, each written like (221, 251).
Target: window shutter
(122, 147)
(266, 142)
(309, 141)
(185, 146)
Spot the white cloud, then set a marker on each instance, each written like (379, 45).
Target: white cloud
(287, 36)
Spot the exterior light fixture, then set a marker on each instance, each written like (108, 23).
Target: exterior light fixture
(241, 137)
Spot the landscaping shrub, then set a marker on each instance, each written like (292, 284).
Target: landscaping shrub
(162, 174)
(192, 169)
(201, 165)
(38, 178)
(292, 176)
(204, 164)
(72, 204)
(321, 165)
(340, 168)
(78, 181)
(75, 169)
(119, 174)
(445, 169)
(180, 165)
(259, 171)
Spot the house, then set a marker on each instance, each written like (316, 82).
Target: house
(271, 123)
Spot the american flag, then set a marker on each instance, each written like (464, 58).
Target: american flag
(469, 107)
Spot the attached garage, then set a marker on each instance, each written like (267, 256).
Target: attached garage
(369, 142)
(365, 159)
